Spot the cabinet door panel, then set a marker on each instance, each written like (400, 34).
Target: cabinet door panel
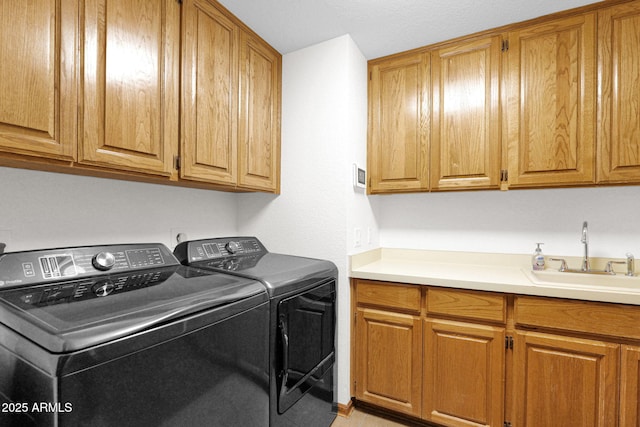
(562, 381)
(38, 79)
(259, 121)
(552, 103)
(131, 70)
(209, 94)
(630, 386)
(466, 115)
(619, 65)
(389, 360)
(464, 374)
(398, 151)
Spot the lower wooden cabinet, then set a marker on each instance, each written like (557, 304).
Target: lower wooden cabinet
(464, 358)
(464, 367)
(630, 386)
(389, 360)
(564, 381)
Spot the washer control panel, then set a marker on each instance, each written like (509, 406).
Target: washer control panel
(211, 249)
(50, 265)
(83, 289)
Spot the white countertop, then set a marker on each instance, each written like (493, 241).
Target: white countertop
(509, 273)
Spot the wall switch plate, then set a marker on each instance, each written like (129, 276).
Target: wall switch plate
(359, 177)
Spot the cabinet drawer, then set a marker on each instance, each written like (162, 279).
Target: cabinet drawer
(466, 304)
(614, 320)
(403, 297)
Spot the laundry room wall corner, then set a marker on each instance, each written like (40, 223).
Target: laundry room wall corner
(323, 134)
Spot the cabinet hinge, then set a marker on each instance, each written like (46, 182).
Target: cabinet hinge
(176, 162)
(504, 175)
(508, 342)
(505, 45)
(507, 424)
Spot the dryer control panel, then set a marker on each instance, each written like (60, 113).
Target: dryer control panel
(212, 249)
(49, 265)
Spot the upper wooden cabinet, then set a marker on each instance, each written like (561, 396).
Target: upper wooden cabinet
(230, 102)
(552, 102)
(38, 79)
(465, 137)
(209, 94)
(259, 120)
(131, 66)
(619, 89)
(555, 104)
(399, 123)
(96, 87)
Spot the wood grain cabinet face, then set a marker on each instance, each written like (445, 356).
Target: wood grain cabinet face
(130, 59)
(231, 102)
(399, 124)
(630, 386)
(619, 89)
(464, 369)
(209, 94)
(389, 360)
(465, 137)
(551, 103)
(259, 120)
(38, 80)
(564, 381)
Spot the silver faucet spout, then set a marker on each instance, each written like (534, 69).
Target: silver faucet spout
(586, 264)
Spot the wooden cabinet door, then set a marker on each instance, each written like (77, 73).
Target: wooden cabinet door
(130, 59)
(563, 381)
(208, 142)
(630, 387)
(551, 103)
(619, 91)
(464, 371)
(399, 124)
(259, 120)
(465, 140)
(38, 80)
(388, 367)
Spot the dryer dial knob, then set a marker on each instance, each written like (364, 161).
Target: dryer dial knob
(232, 247)
(104, 261)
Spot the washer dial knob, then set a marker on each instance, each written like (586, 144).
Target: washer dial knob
(232, 247)
(104, 261)
(103, 289)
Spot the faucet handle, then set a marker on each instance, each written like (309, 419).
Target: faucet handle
(609, 267)
(563, 263)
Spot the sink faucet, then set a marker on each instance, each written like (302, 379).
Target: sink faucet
(586, 265)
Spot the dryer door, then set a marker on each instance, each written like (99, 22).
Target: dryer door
(306, 339)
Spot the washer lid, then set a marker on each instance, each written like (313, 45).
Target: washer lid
(71, 315)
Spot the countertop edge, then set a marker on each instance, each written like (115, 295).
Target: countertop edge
(504, 273)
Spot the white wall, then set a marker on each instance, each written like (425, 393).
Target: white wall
(44, 210)
(324, 123)
(512, 221)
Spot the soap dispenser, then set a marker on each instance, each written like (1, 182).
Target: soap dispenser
(537, 260)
